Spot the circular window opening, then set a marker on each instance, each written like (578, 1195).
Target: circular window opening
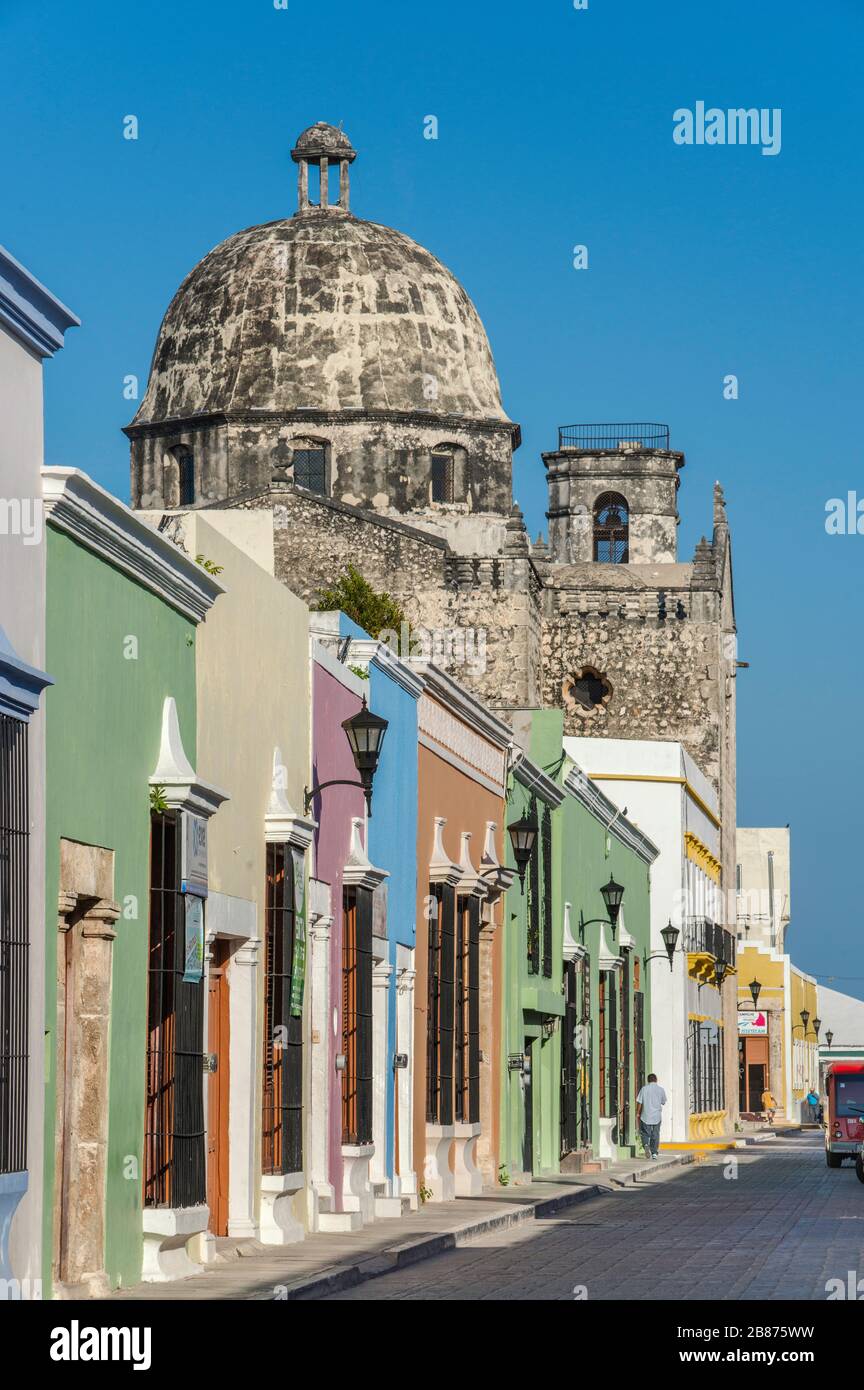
(586, 692)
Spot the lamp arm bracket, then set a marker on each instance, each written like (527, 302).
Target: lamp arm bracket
(309, 795)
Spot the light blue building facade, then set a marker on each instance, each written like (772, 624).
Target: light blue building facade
(32, 328)
(394, 690)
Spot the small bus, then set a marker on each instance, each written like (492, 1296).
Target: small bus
(844, 1125)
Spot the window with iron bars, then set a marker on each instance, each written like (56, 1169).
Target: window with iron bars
(624, 1093)
(546, 837)
(440, 1005)
(533, 905)
(466, 1105)
(357, 1016)
(706, 1067)
(639, 1028)
(282, 1104)
(443, 477)
(601, 1031)
(14, 943)
(174, 1139)
(310, 470)
(612, 1067)
(570, 1058)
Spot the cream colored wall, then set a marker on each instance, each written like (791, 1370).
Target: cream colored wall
(753, 844)
(253, 695)
(251, 532)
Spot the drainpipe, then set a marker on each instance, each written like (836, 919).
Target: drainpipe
(771, 899)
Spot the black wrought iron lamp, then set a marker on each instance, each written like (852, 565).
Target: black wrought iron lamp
(523, 836)
(829, 1037)
(365, 734)
(721, 967)
(755, 988)
(670, 937)
(611, 893)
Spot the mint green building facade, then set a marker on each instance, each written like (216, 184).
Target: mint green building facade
(576, 1015)
(122, 609)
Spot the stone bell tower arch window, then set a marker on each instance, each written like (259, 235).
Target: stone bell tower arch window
(611, 529)
(320, 148)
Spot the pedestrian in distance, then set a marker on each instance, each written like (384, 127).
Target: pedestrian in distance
(815, 1107)
(769, 1105)
(649, 1113)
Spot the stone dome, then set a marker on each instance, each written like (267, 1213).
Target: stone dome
(326, 312)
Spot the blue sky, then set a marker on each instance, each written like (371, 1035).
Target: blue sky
(555, 128)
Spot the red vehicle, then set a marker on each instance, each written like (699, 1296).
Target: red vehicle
(844, 1127)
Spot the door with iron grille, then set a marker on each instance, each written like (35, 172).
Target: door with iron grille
(570, 1041)
(357, 1016)
(174, 1139)
(624, 1103)
(612, 1065)
(218, 1086)
(282, 1112)
(441, 1021)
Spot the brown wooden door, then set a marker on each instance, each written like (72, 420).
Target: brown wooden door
(218, 1088)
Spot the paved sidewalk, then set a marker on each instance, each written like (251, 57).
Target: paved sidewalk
(326, 1264)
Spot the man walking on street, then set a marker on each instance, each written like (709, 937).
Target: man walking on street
(649, 1113)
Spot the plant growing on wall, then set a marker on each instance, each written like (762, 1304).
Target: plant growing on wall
(158, 801)
(208, 565)
(355, 596)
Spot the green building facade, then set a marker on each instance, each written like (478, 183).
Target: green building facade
(576, 1010)
(122, 609)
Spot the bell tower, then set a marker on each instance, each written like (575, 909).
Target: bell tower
(613, 495)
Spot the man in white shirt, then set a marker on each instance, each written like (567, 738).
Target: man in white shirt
(649, 1113)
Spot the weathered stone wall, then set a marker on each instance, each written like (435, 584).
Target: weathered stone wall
(481, 615)
(373, 461)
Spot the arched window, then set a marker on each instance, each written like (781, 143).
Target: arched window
(186, 466)
(611, 529)
(178, 477)
(442, 476)
(310, 465)
(448, 477)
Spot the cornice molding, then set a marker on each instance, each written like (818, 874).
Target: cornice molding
(589, 795)
(461, 703)
(366, 651)
(31, 311)
(85, 511)
(313, 416)
(534, 779)
(20, 685)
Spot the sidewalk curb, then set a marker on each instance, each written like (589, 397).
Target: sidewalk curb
(425, 1247)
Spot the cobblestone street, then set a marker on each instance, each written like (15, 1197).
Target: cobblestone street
(769, 1222)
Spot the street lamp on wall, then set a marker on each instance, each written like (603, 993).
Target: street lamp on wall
(755, 990)
(611, 893)
(829, 1037)
(523, 835)
(670, 937)
(365, 734)
(720, 969)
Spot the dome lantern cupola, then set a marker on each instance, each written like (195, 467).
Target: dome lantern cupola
(322, 145)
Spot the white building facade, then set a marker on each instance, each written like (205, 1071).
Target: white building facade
(665, 794)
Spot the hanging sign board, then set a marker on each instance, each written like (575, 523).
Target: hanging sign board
(752, 1023)
(194, 944)
(193, 854)
(298, 963)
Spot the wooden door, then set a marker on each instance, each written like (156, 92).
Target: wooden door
(218, 1088)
